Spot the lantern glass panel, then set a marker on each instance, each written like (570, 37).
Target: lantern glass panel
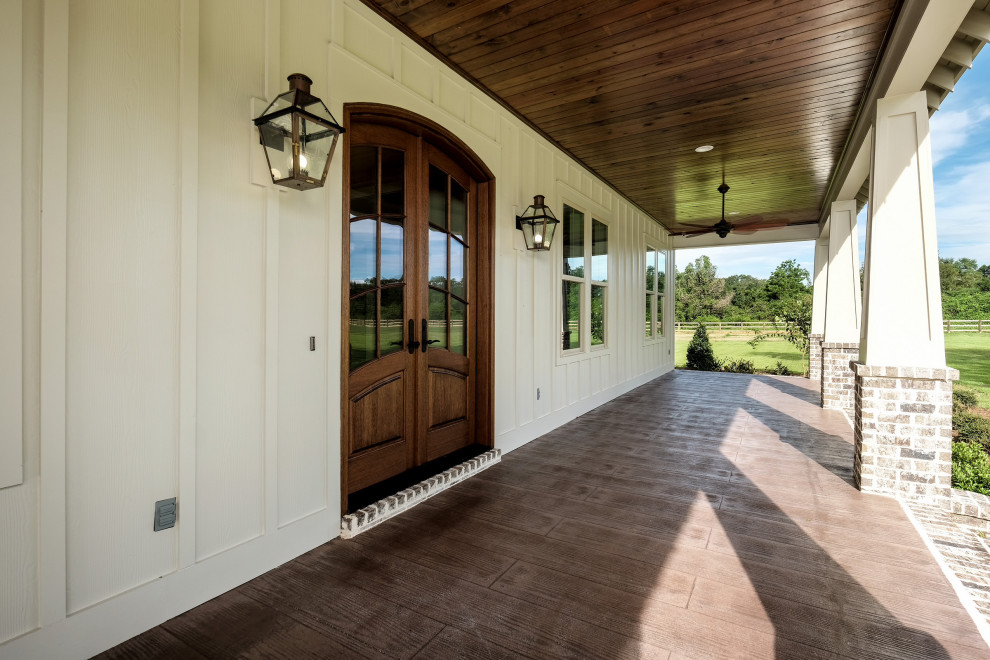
(276, 136)
(315, 141)
(550, 227)
(316, 107)
(281, 102)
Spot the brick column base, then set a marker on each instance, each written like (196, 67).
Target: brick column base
(904, 432)
(838, 379)
(815, 356)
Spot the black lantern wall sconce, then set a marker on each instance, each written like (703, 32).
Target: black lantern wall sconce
(299, 135)
(537, 224)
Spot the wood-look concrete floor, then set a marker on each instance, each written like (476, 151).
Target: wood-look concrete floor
(701, 515)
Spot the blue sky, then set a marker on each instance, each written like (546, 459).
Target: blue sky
(961, 155)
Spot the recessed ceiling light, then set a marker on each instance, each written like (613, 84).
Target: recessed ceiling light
(703, 148)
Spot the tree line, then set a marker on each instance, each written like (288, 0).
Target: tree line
(965, 289)
(701, 295)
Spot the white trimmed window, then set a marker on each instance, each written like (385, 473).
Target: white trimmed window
(584, 282)
(656, 280)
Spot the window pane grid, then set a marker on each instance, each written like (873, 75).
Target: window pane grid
(584, 281)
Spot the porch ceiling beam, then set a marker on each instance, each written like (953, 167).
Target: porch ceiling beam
(959, 52)
(944, 77)
(976, 25)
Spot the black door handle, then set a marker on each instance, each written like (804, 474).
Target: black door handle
(413, 344)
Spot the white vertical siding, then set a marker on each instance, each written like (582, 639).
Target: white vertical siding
(232, 277)
(122, 294)
(19, 263)
(193, 287)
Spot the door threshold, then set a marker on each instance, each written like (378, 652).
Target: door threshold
(375, 514)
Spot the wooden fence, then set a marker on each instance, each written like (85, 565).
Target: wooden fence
(949, 325)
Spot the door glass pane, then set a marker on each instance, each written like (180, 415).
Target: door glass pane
(438, 319)
(599, 251)
(651, 269)
(573, 242)
(458, 327)
(364, 257)
(438, 259)
(458, 210)
(661, 272)
(438, 197)
(393, 182)
(649, 316)
(364, 180)
(392, 251)
(391, 324)
(571, 332)
(597, 315)
(458, 265)
(362, 329)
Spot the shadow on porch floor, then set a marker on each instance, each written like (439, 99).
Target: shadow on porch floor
(701, 515)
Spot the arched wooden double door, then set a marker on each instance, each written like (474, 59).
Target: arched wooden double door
(417, 299)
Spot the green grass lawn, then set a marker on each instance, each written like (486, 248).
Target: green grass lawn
(969, 352)
(733, 345)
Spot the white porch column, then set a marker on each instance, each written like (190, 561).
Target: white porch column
(843, 307)
(818, 310)
(903, 388)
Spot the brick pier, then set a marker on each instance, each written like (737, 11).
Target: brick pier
(904, 432)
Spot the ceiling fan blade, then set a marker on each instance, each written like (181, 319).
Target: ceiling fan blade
(691, 234)
(748, 220)
(745, 230)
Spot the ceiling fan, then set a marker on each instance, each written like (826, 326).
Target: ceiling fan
(723, 227)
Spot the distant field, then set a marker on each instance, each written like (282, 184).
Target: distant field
(732, 345)
(968, 352)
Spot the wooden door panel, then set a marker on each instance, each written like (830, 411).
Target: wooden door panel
(405, 405)
(377, 414)
(450, 437)
(376, 464)
(448, 397)
(382, 201)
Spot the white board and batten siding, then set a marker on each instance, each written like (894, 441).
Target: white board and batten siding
(170, 294)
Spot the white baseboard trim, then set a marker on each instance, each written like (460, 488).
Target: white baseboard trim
(106, 624)
(522, 435)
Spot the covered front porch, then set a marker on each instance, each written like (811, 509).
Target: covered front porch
(699, 515)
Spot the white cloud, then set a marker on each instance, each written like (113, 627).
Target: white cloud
(951, 130)
(962, 211)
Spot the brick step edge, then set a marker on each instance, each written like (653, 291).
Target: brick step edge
(968, 503)
(375, 514)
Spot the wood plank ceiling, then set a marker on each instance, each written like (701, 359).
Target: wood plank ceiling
(632, 87)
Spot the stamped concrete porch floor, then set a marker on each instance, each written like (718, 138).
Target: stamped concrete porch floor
(701, 515)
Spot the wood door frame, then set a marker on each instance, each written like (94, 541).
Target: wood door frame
(441, 138)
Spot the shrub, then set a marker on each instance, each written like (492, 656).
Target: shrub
(972, 428)
(781, 369)
(700, 355)
(739, 367)
(962, 400)
(970, 468)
